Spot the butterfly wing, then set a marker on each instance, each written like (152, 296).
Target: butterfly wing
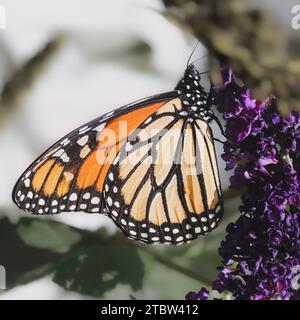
(70, 175)
(164, 185)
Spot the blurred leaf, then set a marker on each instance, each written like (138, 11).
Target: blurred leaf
(24, 77)
(101, 265)
(49, 234)
(20, 259)
(242, 38)
(99, 269)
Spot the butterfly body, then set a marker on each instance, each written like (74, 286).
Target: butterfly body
(150, 166)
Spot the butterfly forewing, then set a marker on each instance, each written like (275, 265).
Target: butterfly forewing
(70, 175)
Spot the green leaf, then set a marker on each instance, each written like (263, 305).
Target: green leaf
(49, 234)
(22, 263)
(96, 270)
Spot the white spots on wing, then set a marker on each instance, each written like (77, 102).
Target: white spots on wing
(188, 226)
(83, 140)
(84, 129)
(29, 194)
(128, 146)
(144, 235)
(114, 213)
(167, 229)
(19, 193)
(115, 189)
(211, 216)
(54, 210)
(197, 230)
(131, 224)
(73, 197)
(84, 151)
(27, 174)
(73, 207)
(83, 206)
(132, 232)
(168, 238)
(175, 231)
(106, 188)
(183, 113)
(68, 176)
(117, 204)
(205, 228)
(123, 221)
(27, 205)
(40, 211)
(58, 153)
(109, 114)
(148, 120)
(86, 196)
(65, 142)
(95, 200)
(155, 238)
(95, 210)
(203, 219)
(193, 219)
(64, 157)
(189, 236)
(117, 159)
(152, 230)
(27, 183)
(41, 202)
(62, 207)
(179, 239)
(109, 201)
(54, 203)
(213, 224)
(111, 176)
(100, 127)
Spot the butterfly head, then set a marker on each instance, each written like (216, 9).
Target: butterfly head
(194, 98)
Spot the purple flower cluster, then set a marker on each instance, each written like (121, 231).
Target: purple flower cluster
(261, 252)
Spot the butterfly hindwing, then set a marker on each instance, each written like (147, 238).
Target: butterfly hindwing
(70, 175)
(164, 185)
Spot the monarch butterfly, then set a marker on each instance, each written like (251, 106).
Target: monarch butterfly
(150, 166)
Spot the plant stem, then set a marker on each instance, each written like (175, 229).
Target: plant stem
(176, 267)
(167, 262)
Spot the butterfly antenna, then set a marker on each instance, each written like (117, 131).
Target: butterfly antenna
(193, 51)
(203, 56)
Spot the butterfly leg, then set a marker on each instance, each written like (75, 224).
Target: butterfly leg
(219, 125)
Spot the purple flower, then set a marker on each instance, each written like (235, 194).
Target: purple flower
(262, 248)
(238, 129)
(200, 295)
